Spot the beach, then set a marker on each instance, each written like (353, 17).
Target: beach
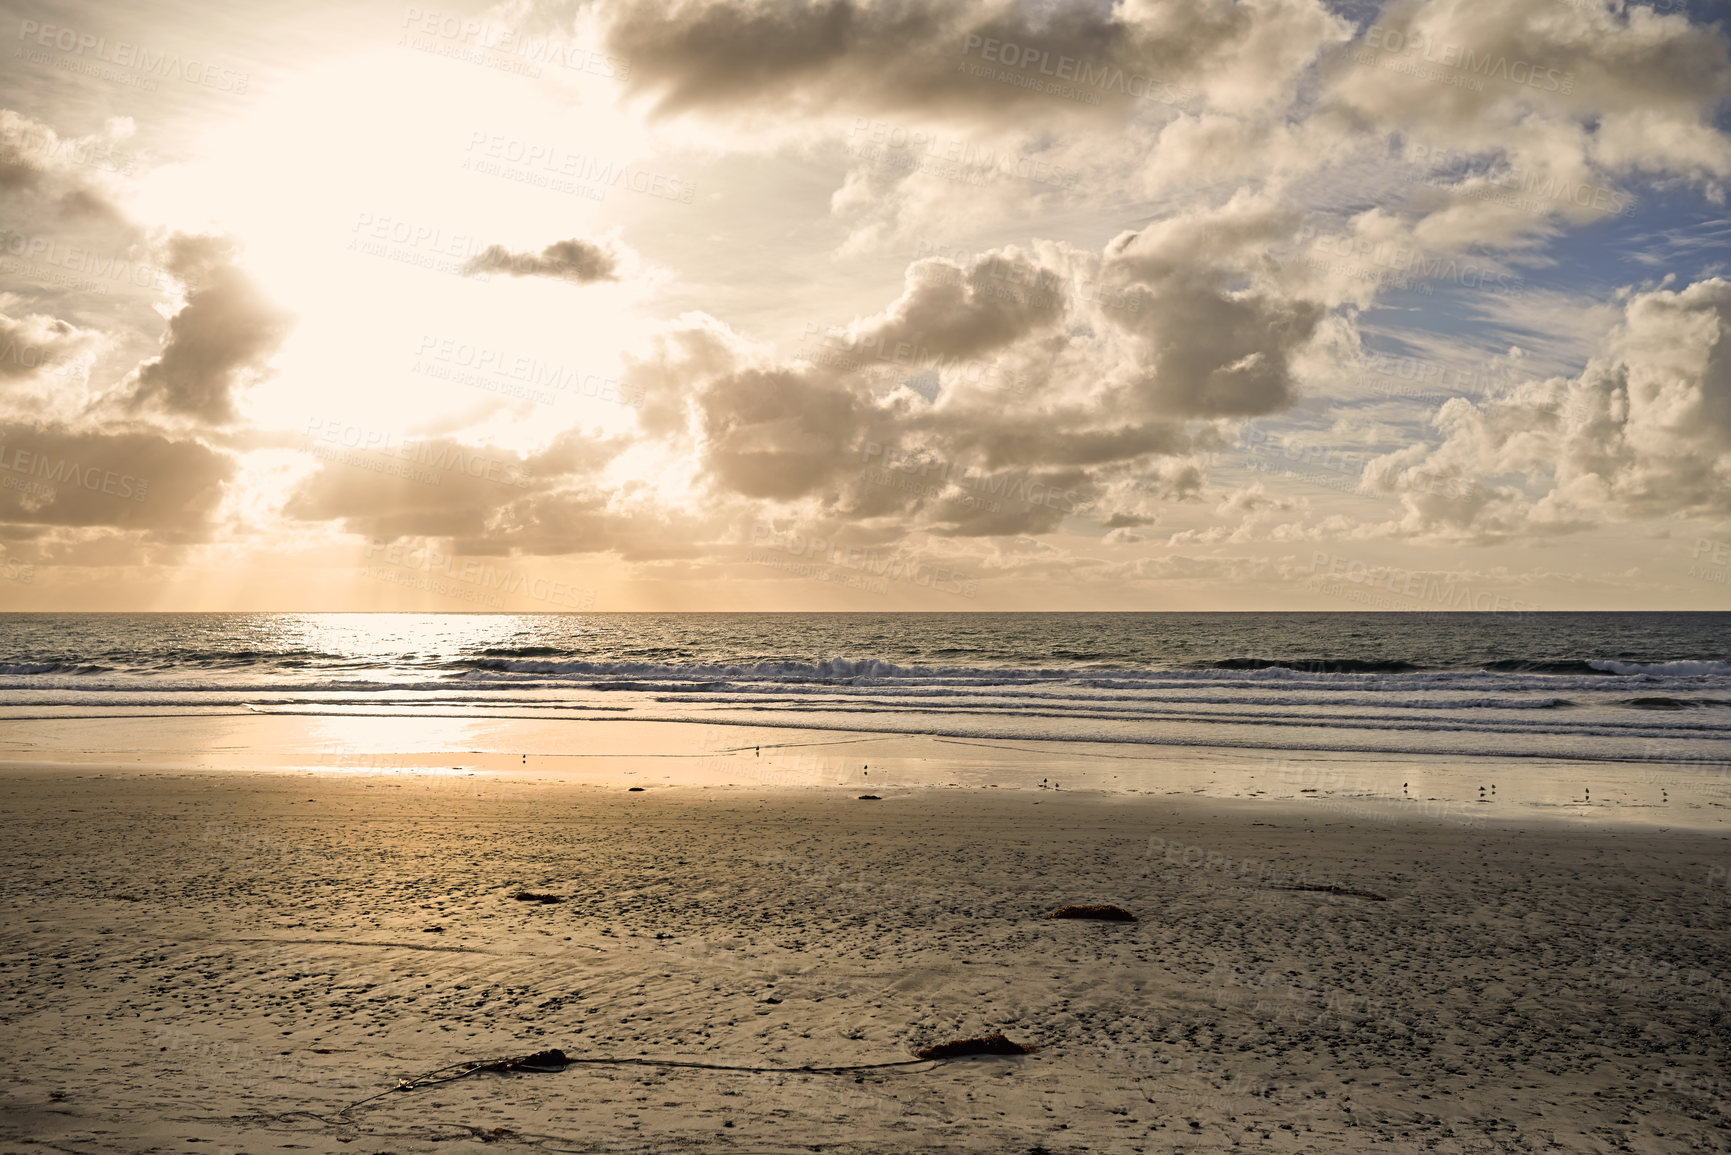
(219, 950)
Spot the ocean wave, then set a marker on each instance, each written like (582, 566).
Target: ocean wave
(1688, 669)
(647, 667)
(167, 686)
(1092, 693)
(1545, 666)
(1317, 665)
(876, 671)
(829, 670)
(1430, 690)
(1659, 702)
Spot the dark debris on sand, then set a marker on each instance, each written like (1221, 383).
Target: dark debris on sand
(531, 896)
(995, 1044)
(1108, 913)
(1338, 890)
(551, 1060)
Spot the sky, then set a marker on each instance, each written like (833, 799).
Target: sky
(865, 305)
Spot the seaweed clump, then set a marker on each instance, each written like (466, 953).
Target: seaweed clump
(993, 1044)
(1108, 913)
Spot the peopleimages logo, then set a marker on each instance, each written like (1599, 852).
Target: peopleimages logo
(1414, 377)
(1488, 65)
(373, 449)
(1449, 169)
(478, 578)
(519, 367)
(1009, 486)
(915, 149)
(841, 350)
(1414, 263)
(125, 55)
(54, 254)
(1102, 77)
(866, 562)
(547, 165)
(464, 38)
(1332, 569)
(64, 472)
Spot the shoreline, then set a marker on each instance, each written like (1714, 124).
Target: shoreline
(725, 753)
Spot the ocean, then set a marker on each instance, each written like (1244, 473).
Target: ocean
(1608, 687)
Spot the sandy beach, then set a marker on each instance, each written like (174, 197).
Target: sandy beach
(220, 959)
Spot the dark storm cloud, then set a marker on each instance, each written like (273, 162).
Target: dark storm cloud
(573, 260)
(218, 341)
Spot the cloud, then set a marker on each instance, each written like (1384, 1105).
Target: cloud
(1214, 336)
(779, 433)
(763, 55)
(1179, 567)
(219, 340)
(574, 260)
(35, 343)
(491, 499)
(1644, 83)
(753, 425)
(1257, 515)
(960, 312)
(1254, 498)
(438, 487)
(1520, 118)
(65, 178)
(820, 427)
(694, 348)
(54, 476)
(1643, 431)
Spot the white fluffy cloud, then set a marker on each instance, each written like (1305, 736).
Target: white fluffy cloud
(1644, 430)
